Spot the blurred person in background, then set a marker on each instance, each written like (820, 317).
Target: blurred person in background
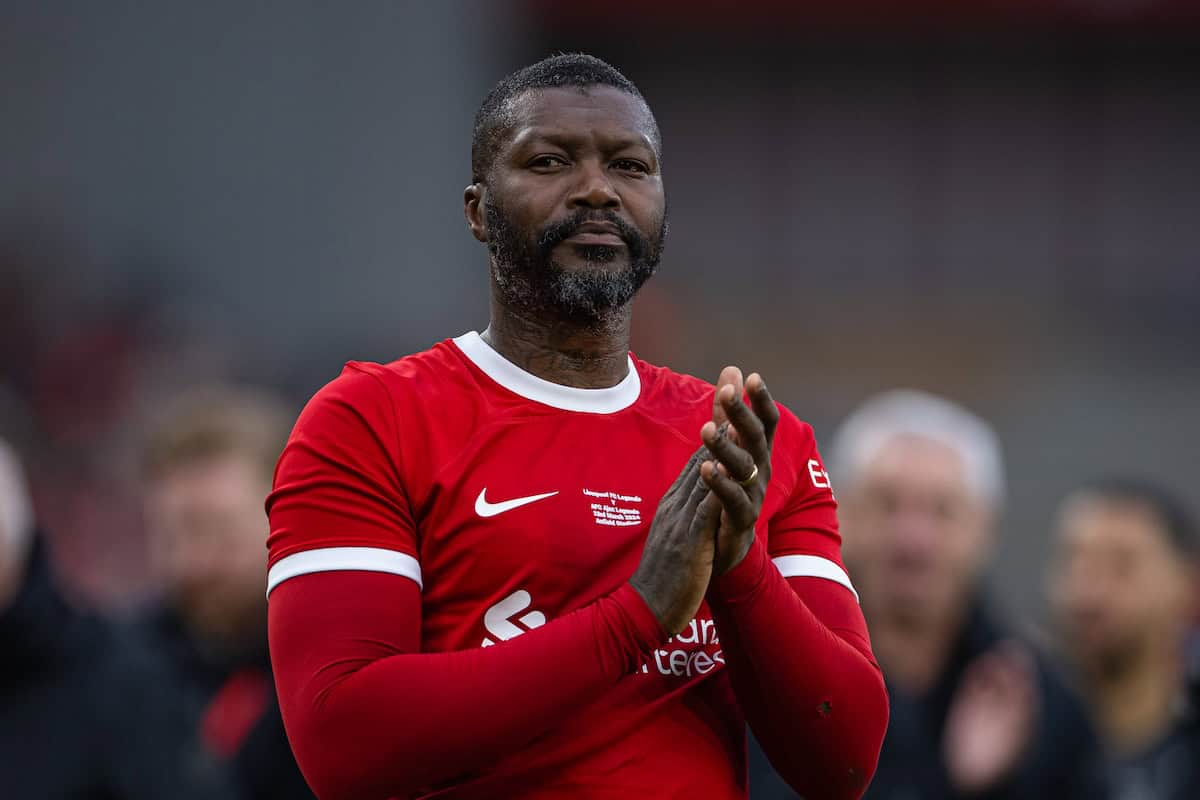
(1124, 592)
(80, 713)
(207, 468)
(920, 482)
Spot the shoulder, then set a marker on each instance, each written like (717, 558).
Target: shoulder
(665, 385)
(678, 397)
(674, 399)
(439, 368)
(379, 394)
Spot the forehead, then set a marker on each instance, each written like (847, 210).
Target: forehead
(205, 479)
(581, 112)
(1087, 520)
(906, 461)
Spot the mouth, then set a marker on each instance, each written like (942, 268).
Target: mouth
(597, 233)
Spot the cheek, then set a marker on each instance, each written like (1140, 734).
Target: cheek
(647, 209)
(246, 548)
(969, 537)
(860, 537)
(524, 204)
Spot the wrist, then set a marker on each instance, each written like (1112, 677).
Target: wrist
(643, 622)
(743, 579)
(743, 547)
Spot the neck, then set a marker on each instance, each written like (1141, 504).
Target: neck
(913, 653)
(1135, 706)
(592, 355)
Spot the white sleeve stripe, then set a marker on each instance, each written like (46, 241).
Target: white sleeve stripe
(813, 567)
(331, 559)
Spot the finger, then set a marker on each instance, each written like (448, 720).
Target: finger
(1003, 674)
(750, 433)
(737, 462)
(689, 473)
(707, 517)
(764, 405)
(734, 500)
(1018, 669)
(730, 376)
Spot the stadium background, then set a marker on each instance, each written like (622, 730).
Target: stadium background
(998, 204)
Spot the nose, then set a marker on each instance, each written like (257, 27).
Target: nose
(915, 536)
(593, 189)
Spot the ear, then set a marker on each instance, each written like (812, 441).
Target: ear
(473, 211)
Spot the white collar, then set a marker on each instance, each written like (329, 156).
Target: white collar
(531, 387)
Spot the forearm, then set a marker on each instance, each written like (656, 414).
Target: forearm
(366, 722)
(812, 694)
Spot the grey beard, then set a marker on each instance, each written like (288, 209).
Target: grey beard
(577, 295)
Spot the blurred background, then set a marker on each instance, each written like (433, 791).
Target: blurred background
(997, 202)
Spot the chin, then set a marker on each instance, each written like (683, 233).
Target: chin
(912, 606)
(597, 259)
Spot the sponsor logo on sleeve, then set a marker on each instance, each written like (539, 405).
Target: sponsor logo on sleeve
(820, 477)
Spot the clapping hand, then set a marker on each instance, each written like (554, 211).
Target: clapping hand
(739, 437)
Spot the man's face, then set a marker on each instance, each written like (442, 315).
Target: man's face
(573, 210)
(914, 535)
(1117, 585)
(207, 534)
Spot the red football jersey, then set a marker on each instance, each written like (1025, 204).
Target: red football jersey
(511, 501)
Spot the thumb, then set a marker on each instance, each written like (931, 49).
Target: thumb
(707, 519)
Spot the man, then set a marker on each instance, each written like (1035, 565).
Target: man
(974, 713)
(524, 564)
(1124, 592)
(78, 717)
(207, 467)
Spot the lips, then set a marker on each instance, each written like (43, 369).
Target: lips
(597, 233)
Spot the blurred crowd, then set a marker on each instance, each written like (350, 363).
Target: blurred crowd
(174, 697)
(1007, 218)
(169, 694)
(1099, 704)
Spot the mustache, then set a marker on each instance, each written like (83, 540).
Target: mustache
(556, 233)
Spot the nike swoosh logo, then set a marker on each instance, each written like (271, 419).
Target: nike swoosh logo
(485, 509)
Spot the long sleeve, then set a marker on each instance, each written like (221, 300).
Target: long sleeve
(801, 667)
(370, 716)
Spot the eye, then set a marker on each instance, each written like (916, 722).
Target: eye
(547, 161)
(631, 165)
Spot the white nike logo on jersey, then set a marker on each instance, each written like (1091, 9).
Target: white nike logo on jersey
(485, 509)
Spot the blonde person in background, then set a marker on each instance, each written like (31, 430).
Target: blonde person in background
(920, 484)
(1124, 592)
(207, 467)
(80, 716)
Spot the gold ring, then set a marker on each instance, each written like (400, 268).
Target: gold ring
(746, 484)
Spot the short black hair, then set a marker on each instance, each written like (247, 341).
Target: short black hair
(566, 69)
(1174, 517)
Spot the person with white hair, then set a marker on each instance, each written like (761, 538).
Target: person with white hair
(81, 715)
(920, 484)
(16, 522)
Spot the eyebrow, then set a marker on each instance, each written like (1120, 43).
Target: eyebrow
(567, 141)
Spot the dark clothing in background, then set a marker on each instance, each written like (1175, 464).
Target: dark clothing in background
(1060, 761)
(79, 715)
(1168, 770)
(230, 706)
